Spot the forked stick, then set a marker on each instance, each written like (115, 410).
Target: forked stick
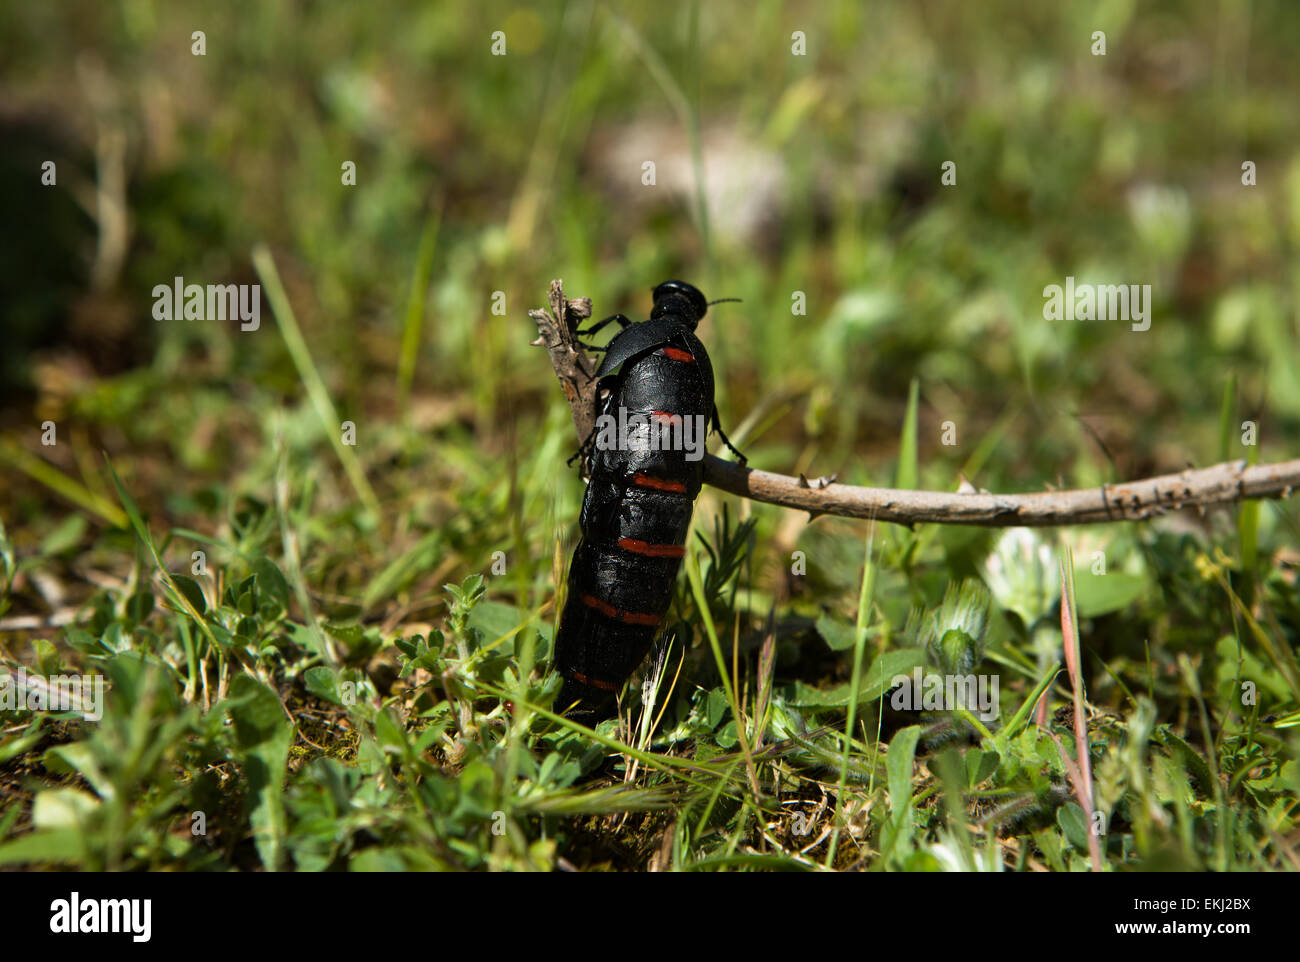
(1224, 483)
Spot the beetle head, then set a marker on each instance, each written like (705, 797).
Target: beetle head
(678, 297)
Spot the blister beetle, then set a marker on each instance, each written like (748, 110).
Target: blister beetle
(655, 376)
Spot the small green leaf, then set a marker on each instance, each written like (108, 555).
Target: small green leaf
(55, 845)
(876, 680)
(715, 707)
(349, 634)
(726, 736)
(879, 678)
(47, 657)
(1097, 595)
(377, 859)
(979, 766)
(193, 593)
(322, 683)
(1191, 759)
(898, 763)
(270, 581)
(18, 744)
(496, 620)
(264, 734)
(65, 536)
(77, 758)
(1074, 823)
(838, 635)
(255, 711)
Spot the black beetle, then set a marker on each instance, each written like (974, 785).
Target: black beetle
(645, 462)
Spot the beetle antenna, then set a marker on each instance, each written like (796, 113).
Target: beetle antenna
(723, 300)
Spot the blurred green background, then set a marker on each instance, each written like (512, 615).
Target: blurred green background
(781, 177)
(776, 173)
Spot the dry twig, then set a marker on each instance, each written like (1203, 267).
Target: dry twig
(1224, 483)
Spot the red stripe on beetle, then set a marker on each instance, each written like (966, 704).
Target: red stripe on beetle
(593, 682)
(627, 617)
(677, 354)
(652, 550)
(665, 417)
(659, 484)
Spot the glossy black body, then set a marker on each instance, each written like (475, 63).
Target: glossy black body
(637, 507)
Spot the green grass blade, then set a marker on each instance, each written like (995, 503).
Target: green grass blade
(908, 470)
(1226, 411)
(61, 484)
(311, 379)
(415, 308)
(855, 683)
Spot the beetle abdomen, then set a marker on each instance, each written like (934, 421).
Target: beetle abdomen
(636, 514)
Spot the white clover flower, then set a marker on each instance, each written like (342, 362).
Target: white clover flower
(952, 858)
(1021, 572)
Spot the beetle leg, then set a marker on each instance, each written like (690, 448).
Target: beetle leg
(621, 318)
(717, 426)
(584, 450)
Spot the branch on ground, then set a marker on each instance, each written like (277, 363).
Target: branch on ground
(1225, 483)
